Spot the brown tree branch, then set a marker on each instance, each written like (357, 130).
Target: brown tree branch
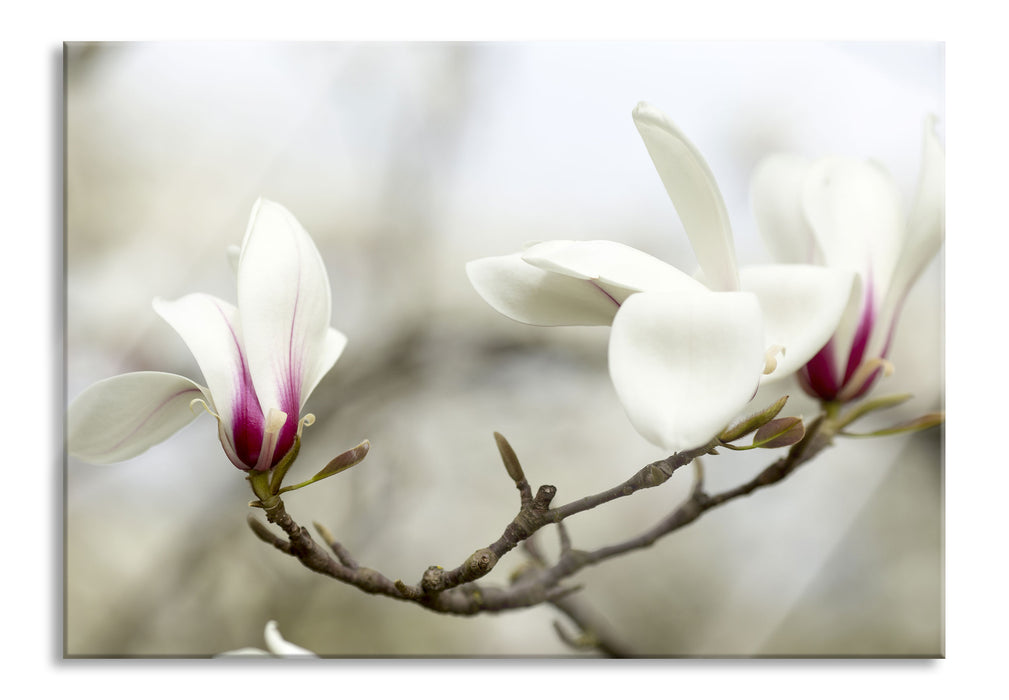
(455, 591)
(817, 438)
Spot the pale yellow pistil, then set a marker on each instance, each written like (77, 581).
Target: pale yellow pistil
(771, 357)
(862, 374)
(275, 420)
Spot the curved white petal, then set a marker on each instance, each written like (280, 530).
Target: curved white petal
(121, 417)
(618, 268)
(926, 229)
(776, 194)
(926, 226)
(284, 302)
(690, 184)
(332, 348)
(685, 365)
(802, 307)
(245, 651)
(527, 294)
(279, 646)
(211, 329)
(855, 212)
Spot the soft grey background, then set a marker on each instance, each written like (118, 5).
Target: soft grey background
(405, 161)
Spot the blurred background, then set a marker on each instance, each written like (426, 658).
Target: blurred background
(405, 161)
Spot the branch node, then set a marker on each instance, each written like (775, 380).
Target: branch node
(433, 579)
(652, 475)
(479, 563)
(544, 495)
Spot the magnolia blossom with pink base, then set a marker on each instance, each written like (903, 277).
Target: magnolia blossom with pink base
(685, 355)
(260, 359)
(847, 214)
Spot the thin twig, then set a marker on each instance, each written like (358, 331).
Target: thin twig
(592, 636)
(341, 552)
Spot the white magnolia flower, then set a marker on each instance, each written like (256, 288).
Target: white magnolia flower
(848, 214)
(684, 357)
(276, 645)
(260, 360)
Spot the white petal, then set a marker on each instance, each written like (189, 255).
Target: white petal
(855, 212)
(279, 646)
(245, 651)
(802, 307)
(332, 348)
(527, 294)
(927, 223)
(284, 302)
(121, 417)
(684, 366)
(690, 184)
(617, 268)
(776, 194)
(925, 231)
(210, 328)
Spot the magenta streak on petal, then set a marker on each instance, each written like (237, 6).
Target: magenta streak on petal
(246, 417)
(608, 295)
(886, 346)
(153, 413)
(819, 376)
(867, 384)
(862, 333)
(290, 389)
(803, 377)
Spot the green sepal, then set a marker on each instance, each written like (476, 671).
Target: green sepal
(870, 406)
(751, 423)
(280, 471)
(260, 483)
(780, 432)
(929, 420)
(340, 463)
